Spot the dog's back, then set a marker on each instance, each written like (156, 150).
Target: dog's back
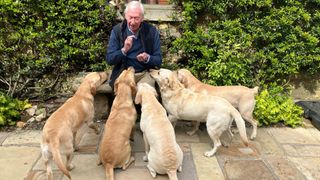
(115, 149)
(241, 97)
(61, 127)
(165, 155)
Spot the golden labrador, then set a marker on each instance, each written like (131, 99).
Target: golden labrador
(163, 154)
(240, 97)
(60, 130)
(115, 149)
(182, 103)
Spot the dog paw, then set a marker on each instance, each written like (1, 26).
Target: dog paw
(208, 154)
(76, 148)
(152, 171)
(145, 158)
(99, 162)
(190, 133)
(70, 167)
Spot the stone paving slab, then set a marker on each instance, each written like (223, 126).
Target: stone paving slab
(15, 162)
(266, 144)
(23, 138)
(302, 150)
(3, 136)
(308, 166)
(247, 169)
(276, 153)
(207, 168)
(284, 168)
(290, 135)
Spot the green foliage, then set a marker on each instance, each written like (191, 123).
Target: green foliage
(39, 38)
(10, 109)
(249, 42)
(252, 42)
(275, 106)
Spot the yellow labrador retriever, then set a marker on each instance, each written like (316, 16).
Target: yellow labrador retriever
(163, 154)
(182, 103)
(240, 97)
(59, 132)
(115, 149)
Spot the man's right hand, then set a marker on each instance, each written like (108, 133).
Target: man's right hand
(127, 44)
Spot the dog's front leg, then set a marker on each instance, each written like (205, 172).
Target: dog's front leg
(194, 129)
(146, 148)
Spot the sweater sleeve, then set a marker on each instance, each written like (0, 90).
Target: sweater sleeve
(155, 57)
(114, 54)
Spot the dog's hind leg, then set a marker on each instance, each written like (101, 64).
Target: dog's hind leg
(47, 156)
(214, 130)
(152, 171)
(69, 152)
(127, 164)
(246, 109)
(146, 148)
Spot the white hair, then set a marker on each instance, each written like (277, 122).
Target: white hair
(134, 4)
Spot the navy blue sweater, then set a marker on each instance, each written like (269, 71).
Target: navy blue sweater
(147, 40)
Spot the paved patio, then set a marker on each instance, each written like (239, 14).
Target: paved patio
(276, 153)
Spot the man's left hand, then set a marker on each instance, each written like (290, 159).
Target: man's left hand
(143, 57)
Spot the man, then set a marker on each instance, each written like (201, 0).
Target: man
(134, 43)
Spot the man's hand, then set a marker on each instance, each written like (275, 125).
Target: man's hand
(127, 44)
(143, 57)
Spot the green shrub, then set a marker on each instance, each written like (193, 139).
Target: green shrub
(249, 42)
(44, 39)
(10, 109)
(275, 106)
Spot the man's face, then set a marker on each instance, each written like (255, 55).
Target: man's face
(134, 18)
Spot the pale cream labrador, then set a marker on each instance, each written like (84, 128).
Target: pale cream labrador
(59, 132)
(241, 97)
(115, 148)
(163, 154)
(182, 103)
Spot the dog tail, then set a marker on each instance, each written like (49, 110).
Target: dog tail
(109, 171)
(255, 89)
(57, 158)
(172, 174)
(241, 126)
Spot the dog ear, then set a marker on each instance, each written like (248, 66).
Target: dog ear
(181, 78)
(93, 88)
(166, 82)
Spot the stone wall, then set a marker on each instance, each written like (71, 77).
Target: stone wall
(306, 87)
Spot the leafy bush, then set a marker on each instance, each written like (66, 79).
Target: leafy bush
(42, 41)
(264, 43)
(10, 109)
(249, 42)
(275, 106)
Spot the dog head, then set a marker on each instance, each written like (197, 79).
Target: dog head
(93, 80)
(166, 79)
(126, 77)
(187, 78)
(144, 88)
